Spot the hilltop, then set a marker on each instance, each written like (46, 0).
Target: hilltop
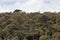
(19, 25)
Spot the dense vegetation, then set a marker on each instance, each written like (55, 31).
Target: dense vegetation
(29, 26)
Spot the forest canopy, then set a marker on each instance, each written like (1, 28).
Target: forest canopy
(19, 25)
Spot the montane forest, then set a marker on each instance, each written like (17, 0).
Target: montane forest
(19, 25)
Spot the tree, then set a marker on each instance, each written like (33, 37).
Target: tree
(17, 11)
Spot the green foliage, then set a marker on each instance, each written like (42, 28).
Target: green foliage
(29, 26)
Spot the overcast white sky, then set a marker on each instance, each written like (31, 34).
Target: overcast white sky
(30, 5)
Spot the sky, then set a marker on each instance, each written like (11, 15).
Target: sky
(30, 5)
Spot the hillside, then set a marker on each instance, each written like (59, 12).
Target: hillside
(29, 26)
